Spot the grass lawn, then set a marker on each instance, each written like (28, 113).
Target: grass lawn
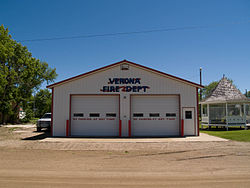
(238, 135)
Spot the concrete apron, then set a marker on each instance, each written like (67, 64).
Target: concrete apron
(202, 138)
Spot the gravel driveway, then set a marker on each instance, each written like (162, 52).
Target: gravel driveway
(32, 159)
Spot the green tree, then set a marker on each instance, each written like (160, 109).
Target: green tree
(209, 88)
(20, 75)
(248, 94)
(28, 109)
(42, 102)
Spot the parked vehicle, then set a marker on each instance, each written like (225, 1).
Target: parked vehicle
(44, 122)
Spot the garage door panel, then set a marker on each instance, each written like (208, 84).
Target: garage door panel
(90, 128)
(95, 103)
(98, 115)
(157, 129)
(155, 115)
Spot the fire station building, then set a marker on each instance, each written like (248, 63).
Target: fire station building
(124, 99)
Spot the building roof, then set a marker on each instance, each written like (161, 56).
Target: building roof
(127, 62)
(224, 92)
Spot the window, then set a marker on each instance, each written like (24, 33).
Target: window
(94, 115)
(234, 109)
(138, 115)
(47, 115)
(188, 114)
(204, 110)
(170, 114)
(78, 115)
(124, 67)
(111, 115)
(247, 109)
(154, 115)
(217, 112)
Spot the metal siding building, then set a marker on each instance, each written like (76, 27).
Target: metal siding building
(137, 101)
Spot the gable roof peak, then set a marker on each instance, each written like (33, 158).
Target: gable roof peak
(131, 63)
(225, 91)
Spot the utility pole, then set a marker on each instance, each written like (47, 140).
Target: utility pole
(200, 111)
(200, 83)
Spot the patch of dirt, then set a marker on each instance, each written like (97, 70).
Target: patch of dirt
(25, 161)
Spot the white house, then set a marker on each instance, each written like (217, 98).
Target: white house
(125, 99)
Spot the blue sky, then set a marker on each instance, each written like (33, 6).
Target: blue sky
(218, 50)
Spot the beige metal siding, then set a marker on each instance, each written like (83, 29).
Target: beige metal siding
(93, 83)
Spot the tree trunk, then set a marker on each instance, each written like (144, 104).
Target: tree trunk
(1, 118)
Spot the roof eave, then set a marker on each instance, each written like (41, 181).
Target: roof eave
(225, 101)
(124, 61)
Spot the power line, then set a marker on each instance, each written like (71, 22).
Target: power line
(134, 32)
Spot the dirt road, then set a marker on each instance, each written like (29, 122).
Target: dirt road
(25, 161)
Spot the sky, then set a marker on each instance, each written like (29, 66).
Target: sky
(221, 48)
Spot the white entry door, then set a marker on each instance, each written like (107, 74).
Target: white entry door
(189, 121)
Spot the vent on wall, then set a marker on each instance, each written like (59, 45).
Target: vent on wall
(124, 66)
